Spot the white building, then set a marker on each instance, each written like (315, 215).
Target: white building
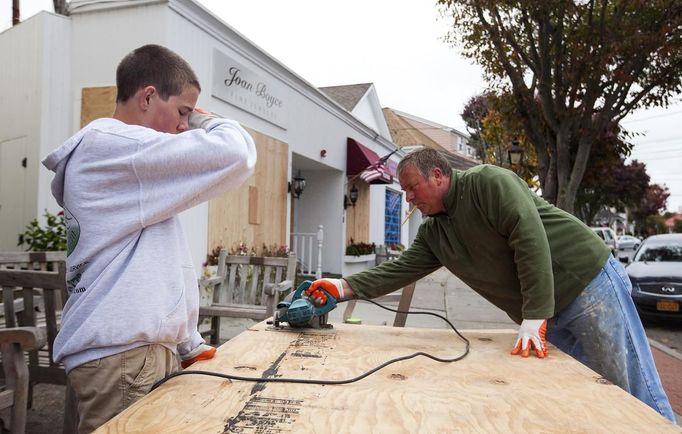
(58, 74)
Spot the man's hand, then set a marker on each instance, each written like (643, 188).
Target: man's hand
(333, 286)
(531, 334)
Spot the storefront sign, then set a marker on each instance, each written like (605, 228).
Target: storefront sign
(240, 86)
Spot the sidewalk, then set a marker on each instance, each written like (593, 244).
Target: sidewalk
(441, 293)
(444, 294)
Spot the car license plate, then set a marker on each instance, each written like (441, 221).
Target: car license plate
(668, 306)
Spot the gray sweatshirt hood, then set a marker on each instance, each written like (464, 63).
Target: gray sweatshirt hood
(57, 160)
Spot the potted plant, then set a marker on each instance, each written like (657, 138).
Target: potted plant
(395, 249)
(359, 256)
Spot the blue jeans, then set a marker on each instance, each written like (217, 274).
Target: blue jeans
(602, 330)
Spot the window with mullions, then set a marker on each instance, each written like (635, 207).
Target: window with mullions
(392, 217)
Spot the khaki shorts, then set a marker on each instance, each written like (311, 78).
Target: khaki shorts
(107, 386)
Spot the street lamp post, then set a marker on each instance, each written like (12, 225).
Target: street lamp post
(515, 153)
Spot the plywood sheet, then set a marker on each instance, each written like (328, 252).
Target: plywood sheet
(357, 223)
(255, 213)
(97, 102)
(488, 391)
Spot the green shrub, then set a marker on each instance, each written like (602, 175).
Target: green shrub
(48, 238)
(398, 247)
(358, 249)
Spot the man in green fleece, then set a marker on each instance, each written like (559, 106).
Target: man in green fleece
(547, 270)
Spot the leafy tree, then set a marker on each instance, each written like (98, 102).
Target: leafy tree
(475, 110)
(653, 202)
(623, 188)
(608, 181)
(494, 123)
(677, 227)
(574, 68)
(651, 225)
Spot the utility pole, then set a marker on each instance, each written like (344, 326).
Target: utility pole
(15, 12)
(60, 7)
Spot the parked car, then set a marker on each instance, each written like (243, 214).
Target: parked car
(628, 242)
(656, 276)
(609, 237)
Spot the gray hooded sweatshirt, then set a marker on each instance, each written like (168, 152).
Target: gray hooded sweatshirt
(129, 271)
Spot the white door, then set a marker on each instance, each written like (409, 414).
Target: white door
(12, 192)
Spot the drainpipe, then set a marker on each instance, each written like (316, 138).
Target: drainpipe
(15, 12)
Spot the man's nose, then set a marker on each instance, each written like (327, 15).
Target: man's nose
(183, 126)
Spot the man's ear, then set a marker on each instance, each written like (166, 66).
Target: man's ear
(144, 97)
(437, 174)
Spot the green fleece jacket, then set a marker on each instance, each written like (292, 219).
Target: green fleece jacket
(524, 255)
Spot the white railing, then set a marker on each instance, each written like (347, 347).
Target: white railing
(308, 246)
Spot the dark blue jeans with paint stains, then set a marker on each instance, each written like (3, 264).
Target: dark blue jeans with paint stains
(602, 329)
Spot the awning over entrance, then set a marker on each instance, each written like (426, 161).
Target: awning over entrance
(367, 163)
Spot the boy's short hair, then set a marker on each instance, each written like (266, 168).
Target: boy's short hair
(153, 65)
(424, 160)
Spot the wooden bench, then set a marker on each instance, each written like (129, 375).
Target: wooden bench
(38, 279)
(15, 393)
(246, 287)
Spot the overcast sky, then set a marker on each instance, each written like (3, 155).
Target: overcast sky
(397, 45)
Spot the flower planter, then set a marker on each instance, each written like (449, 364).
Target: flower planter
(355, 264)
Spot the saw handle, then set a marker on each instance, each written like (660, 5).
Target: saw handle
(317, 310)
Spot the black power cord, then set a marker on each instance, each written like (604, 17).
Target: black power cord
(335, 382)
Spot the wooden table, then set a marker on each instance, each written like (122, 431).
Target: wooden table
(488, 391)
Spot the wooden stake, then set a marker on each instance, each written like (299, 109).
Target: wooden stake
(409, 214)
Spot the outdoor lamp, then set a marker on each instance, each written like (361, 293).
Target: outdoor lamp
(298, 185)
(515, 153)
(353, 195)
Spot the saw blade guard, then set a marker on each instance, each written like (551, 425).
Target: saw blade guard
(299, 310)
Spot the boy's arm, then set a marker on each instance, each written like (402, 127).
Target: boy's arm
(178, 171)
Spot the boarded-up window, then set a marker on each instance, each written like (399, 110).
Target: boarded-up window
(97, 102)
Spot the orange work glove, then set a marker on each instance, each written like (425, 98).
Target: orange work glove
(531, 334)
(333, 286)
(202, 352)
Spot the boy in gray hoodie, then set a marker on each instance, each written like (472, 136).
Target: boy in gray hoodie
(122, 181)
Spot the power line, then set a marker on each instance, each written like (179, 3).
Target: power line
(654, 152)
(647, 147)
(644, 159)
(652, 117)
(669, 139)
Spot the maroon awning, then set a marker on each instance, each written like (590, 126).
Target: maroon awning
(365, 162)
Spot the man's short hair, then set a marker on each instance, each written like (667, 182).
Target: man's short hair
(153, 65)
(425, 160)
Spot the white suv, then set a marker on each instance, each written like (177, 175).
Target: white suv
(609, 237)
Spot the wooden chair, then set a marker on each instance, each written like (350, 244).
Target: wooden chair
(14, 396)
(38, 279)
(383, 254)
(247, 287)
(403, 305)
